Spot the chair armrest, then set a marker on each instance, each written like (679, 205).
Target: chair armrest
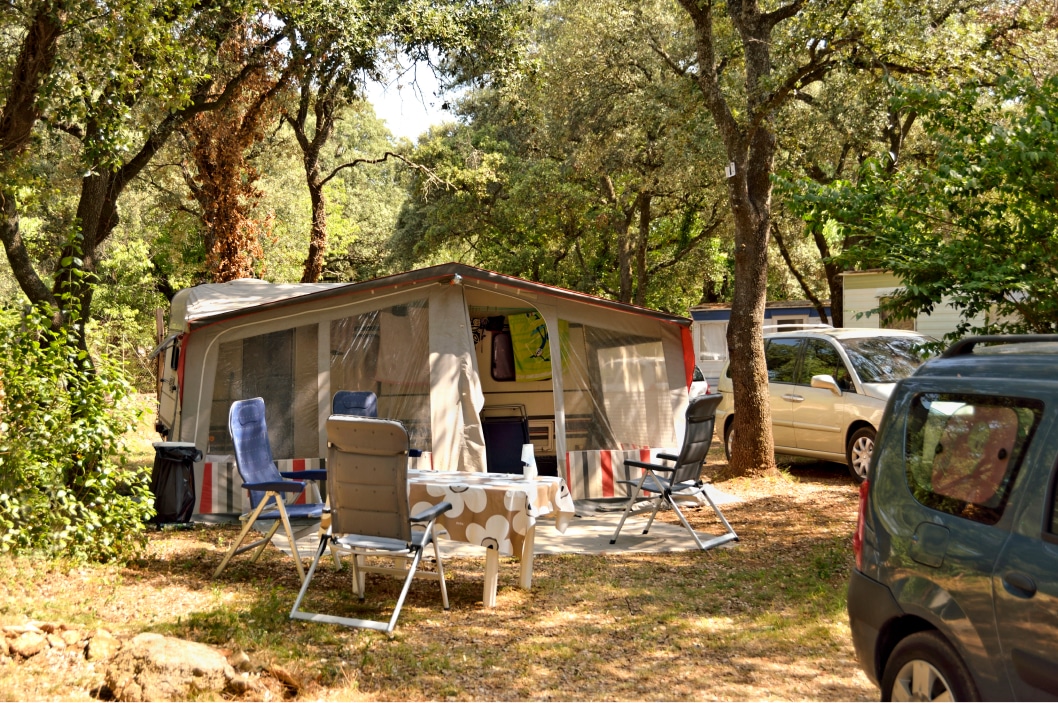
(651, 467)
(306, 475)
(278, 486)
(668, 457)
(432, 513)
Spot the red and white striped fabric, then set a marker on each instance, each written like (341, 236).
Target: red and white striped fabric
(219, 491)
(595, 474)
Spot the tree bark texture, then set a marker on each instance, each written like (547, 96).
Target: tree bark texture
(323, 98)
(19, 114)
(750, 144)
(643, 238)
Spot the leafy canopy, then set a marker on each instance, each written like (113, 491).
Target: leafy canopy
(974, 222)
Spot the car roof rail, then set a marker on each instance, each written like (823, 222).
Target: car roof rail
(966, 345)
(792, 327)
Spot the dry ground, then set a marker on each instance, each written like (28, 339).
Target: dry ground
(762, 620)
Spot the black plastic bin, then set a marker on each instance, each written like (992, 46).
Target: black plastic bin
(173, 481)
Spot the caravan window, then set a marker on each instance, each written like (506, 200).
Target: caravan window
(616, 390)
(281, 367)
(387, 351)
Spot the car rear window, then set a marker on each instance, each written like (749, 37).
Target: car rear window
(963, 451)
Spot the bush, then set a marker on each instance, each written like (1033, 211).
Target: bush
(65, 489)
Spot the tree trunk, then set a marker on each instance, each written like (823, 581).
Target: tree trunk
(625, 246)
(750, 196)
(324, 98)
(750, 145)
(317, 234)
(20, 112)
(96, 217)
(833, 275)
(641, 248)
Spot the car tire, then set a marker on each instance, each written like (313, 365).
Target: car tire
(924, 667)
(729, 438)
(858, 452)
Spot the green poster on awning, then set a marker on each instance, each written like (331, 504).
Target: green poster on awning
(532, 349)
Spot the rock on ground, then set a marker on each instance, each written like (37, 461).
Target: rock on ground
(152, 667)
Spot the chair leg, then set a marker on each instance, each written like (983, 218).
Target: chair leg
(404, 591)
(359, 577)
(628, 507)
(242, 536)
(440, 572)
(294, 612)
(290, 538)
(657, 506)
(731, 535)
(264, 541)
(386, 627)
(708, 544)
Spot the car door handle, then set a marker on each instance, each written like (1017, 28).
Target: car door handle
(794, 398)
(1019, 584)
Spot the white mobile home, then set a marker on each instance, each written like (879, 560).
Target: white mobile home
(460, 355)
(709, 329)
(866, 290)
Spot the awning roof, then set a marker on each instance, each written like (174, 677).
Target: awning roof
(213, 302)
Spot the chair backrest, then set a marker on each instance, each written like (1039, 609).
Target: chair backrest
(253, 452)
(362, 403)
(367, 477)
(701, 415)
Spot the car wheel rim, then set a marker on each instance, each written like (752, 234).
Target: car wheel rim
(861, 455)
(918, 680)
(730, 442)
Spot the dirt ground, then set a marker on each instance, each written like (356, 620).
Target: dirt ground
(593, 628)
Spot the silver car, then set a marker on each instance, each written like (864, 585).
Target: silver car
(828, 389)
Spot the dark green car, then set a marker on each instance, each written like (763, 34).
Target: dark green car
(954, 595)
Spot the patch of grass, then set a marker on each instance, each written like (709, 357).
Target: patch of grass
(761, 620)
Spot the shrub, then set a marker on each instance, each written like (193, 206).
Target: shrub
(65, 489)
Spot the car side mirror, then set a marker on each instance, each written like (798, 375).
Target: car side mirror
(825, 380)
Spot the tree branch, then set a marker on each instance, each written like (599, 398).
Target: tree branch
(431, 176)
(776, 234)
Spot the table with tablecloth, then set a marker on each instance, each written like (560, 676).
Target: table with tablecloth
(496, 511)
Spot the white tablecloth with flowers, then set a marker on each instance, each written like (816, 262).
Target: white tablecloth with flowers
(496, 511)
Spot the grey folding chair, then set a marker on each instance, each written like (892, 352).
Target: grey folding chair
(266, 484)
(683, 478)
(367, 481)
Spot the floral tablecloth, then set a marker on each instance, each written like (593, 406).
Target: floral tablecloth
(492, 510)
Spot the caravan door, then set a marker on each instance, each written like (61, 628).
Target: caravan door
(168, 386)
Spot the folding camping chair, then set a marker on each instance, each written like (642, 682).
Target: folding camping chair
(362, 403)
(367, 480)
(683, 479)
(266, 484)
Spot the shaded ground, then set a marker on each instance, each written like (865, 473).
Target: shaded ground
(762, 620)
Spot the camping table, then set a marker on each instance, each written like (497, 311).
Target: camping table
(496, 511)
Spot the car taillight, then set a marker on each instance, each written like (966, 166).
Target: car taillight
(857, 537)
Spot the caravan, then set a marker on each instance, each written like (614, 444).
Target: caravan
(474, 364)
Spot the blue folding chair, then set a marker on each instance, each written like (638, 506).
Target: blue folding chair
(362, 403)
(266, 484)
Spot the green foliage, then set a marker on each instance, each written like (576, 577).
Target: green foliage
(588, 172)
(63, 490)
(975, 223)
